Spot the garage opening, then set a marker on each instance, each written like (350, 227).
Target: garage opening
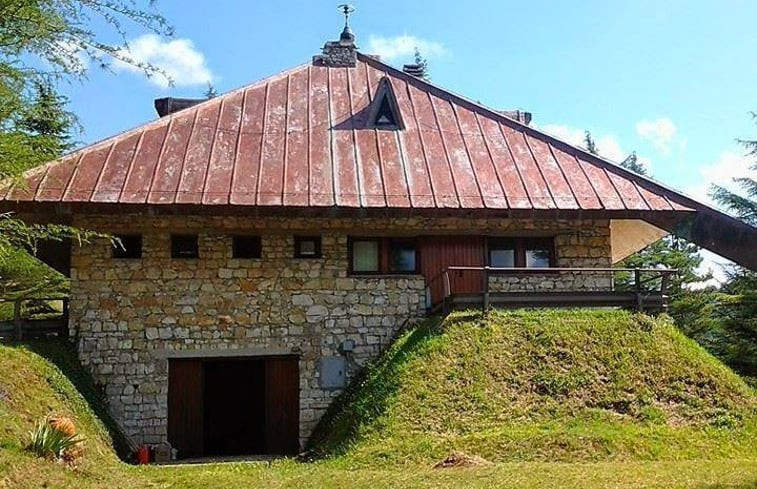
(233, 406)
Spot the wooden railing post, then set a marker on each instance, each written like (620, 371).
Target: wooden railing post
(486, 289)
(17, 325)
(63, 330)
(637, 284)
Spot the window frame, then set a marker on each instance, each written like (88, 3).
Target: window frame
(298, 240)
(175, 255)
(120, 253)
(520, 246)
(236, 246)
(384, 258)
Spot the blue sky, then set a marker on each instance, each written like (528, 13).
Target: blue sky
(672, 80)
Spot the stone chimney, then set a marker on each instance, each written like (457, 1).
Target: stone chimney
(341, 53)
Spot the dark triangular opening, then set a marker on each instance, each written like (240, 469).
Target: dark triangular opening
(385, 113)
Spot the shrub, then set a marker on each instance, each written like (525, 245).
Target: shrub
(51, 442)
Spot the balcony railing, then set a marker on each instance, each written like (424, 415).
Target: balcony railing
(34, 317)
(459, 287)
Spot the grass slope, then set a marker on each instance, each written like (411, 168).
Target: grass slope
(41, 378)
(587, 385)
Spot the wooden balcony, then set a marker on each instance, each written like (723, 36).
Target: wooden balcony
(640, 289)
(34, 317)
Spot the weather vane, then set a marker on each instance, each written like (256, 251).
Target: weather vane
(346, 9)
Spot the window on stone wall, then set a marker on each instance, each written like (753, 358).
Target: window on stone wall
(128, 246)
(521, 252)
(307, 246)
(184, 246)
(382, 255)
(245, 246)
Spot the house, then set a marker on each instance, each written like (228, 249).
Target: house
(276, 238)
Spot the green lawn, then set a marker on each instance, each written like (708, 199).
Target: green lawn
(458, 385)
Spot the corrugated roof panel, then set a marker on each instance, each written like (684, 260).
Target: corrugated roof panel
(297, 162)
(371, 184)
(321, 171)
(582, 189)
(221, 166)
(244, 182)
(536, 186)
(504, 164)
(486, 175)
(343, 141)
(171, 163)
(463, 175)
(411, 151)
(431, 144)
(57, 179)
(142, 170)
(300, 139)
(113, 175)
(558, 186)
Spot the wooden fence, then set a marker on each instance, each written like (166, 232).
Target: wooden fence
(34, 317)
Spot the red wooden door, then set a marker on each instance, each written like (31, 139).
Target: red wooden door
(439, 252)
(282, 411)
(185, 406)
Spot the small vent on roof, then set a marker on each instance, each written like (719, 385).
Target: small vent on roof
(414, 69)
(169, 105)
(519, 115)
(385, 113)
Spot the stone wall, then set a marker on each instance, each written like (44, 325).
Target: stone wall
(129, 316)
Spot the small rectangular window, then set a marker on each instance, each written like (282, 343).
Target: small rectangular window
(184, 246)
(128, 246)
(245, 246)
(366, 255)
(521, 252)
(307, 246)
(402, 256)
(502, 253)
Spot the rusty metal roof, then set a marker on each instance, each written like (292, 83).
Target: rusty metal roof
(300, 139)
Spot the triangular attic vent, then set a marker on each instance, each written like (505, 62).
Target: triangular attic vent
(385, 113)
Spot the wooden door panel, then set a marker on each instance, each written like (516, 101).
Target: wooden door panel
(185, 406)
(282, 394)
(440, 252)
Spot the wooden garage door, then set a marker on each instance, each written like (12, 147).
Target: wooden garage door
(185, 406)
(282, 392)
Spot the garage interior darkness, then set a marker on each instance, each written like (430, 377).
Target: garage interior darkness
(233, 406)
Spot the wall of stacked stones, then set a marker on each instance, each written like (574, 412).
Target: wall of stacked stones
(129, 316)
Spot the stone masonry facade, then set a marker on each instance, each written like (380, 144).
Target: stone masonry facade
(130, 316)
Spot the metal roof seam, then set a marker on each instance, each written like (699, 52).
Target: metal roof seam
(444, 149)
(235, 166)
(262, 140)
(468, 153)
(516, 166)
(564, 174)
(491, 158)
(132, 164)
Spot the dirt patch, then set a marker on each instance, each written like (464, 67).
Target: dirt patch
(460, 459)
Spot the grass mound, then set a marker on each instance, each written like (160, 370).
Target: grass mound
(43, 378)
(585, 385)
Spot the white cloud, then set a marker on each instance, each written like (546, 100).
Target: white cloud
(729, 165)
(607, 144)
(183, 64)
(393, 48)
(660, 132)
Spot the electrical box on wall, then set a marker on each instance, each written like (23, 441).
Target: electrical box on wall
(333, 375)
